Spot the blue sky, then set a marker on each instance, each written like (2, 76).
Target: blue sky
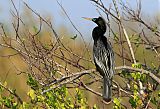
(75, 8)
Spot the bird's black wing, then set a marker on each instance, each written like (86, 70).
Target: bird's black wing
(104, 58)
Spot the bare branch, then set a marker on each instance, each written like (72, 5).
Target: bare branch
(140, 70)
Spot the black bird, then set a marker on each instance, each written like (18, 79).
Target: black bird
(103, 56)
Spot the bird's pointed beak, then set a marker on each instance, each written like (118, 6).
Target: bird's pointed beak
(87, 18)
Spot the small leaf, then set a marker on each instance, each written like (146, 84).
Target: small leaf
(139, 102)
(132, 102)
(5, 84)
(138, 75)
(159, 94)
(7, 102)
(135, 87)
(95, 106)
(116, 101)
(154, 100)
(32, 82)
(143, 78)
(74, 37)
(35, 28)
(32, 94)
(15, 105)
(137, 65)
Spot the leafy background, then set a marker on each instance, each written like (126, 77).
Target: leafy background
(29, 89)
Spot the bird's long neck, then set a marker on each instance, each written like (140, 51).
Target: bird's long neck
(98, 32)
(102, 27)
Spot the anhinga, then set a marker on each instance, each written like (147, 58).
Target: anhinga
(103, 56)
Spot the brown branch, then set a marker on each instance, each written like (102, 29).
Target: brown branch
(105, 9)
(18, 23)
(91, 90)
(67, 79)
(124, 31)
(140, 70)
(77, 75)
(86, 46)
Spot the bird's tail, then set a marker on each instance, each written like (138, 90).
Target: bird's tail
(107, 89)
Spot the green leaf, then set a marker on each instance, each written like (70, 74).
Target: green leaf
(154, 100)
(95, 106)
(74, 37)
(25, 106)
(133, 75)
(159, 94)
(116, 101)
(15, 106)
(125, 73)
(31, 94)
(32, 82)
(138, 75)
(132, 102)
(137, 65)
(154, 28)
(135, 87)
(35, 28)
(6, 102)
(1, 89)
(143, 78)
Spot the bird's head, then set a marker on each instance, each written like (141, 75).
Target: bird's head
(99, 21)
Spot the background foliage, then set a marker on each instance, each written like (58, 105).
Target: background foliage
(45, 68)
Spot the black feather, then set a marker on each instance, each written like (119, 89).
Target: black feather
(103, 57)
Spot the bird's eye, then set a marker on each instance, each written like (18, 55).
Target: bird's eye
(94, 19)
